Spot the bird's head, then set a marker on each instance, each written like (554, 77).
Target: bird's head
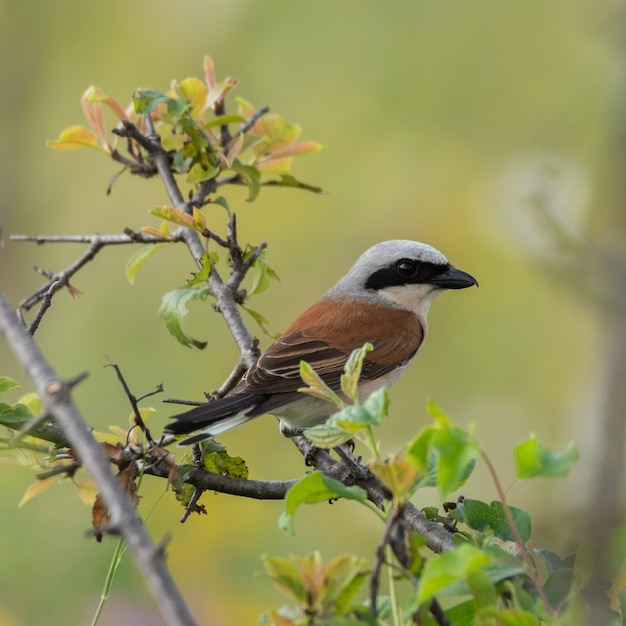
(406, 274)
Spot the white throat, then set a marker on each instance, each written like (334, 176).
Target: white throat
(415, 298)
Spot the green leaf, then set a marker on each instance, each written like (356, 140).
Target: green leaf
(419, 449)
(6, 384)
(174, 309)
(551, 560)
(286, 576)
(532, 458)
(314, 488)
(14, 415)
(480, 516)
(482, 588)
(447, 568)
(287, 180)
(315, 386)
(462, 614)
(262, 321)
(209, 446)
(207, 261)
(497, 570)
(199, 173)
(507, 617)
(147, 100)
(139, 258)
(263, 273)
(220, 462)
(224, 120)
(250, 176)
(456, 452)
(559, 585)
(398, 474)
(377, 404)
(32, 402)
(352, 371)
(327, 436)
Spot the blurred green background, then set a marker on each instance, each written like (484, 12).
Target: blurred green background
(443, 122)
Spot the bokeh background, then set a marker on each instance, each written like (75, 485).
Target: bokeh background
(490, 130)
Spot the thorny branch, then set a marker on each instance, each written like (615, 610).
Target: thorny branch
(60, 279)
(226, 297)
(55, 395)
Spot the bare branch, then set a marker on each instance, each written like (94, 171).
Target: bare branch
(96, 243)
(45, 305)
(133, 402)
(209, 481)
(130, 236)
(193, 506)
(252, 121)
(257, 489)
(55, 395)
(233, 378)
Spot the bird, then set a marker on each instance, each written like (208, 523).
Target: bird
(382, 300)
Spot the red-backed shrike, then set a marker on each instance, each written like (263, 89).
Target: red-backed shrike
(383, 300)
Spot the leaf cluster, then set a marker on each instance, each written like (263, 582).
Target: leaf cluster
(493, 577)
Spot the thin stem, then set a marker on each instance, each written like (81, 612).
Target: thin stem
(116, 559)
(530, 570)
(391, 581)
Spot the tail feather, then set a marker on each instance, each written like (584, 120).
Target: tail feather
(215, 417)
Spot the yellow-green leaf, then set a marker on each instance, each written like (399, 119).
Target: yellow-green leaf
(175, 216)
(196, 92)
(36, 488)
(32, 401)
(139, 258)
(199, 173)
(6, 384)
(75, 137)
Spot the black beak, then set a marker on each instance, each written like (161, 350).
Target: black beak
(453, 278)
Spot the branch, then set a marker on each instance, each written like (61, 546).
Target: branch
(45, 305)
(256, 489)
(55, 395)
(252, 121)
(96, 243)
(223, 294)
(438, 539)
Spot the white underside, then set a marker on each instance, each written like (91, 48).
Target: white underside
(306, 411)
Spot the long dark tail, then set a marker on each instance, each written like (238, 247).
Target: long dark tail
(222, 414)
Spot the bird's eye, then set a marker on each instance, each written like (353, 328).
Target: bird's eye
(406, 269)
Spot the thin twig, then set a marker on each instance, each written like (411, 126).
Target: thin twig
(133, 402)
(380, 558)
(257, 115)
(68, 468)
(45, 305)
(438, 613)
(96, 243)
(231, 380)
(192, 505)
(225, 137)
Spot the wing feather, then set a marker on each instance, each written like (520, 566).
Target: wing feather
(324, 336)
